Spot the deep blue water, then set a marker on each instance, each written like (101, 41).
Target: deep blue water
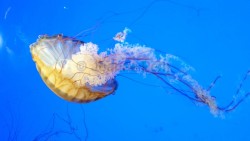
(212, 36)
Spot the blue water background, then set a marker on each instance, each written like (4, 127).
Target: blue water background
(212, 36)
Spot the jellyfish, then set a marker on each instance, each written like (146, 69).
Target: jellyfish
(75, 70)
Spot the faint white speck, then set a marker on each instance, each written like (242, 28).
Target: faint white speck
(9, 51)
(1, 41)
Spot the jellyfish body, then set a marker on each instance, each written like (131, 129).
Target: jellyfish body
(65, 69)
(76, 72)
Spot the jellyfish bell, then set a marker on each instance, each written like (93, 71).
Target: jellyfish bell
(70, 68)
